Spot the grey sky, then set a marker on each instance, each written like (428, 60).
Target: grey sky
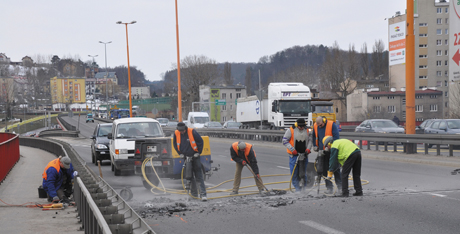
(226, 31)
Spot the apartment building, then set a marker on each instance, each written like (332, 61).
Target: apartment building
(67, 90)
(220, 101)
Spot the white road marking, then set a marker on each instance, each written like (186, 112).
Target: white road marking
(321, 227)
(434, 194)
(283, 167)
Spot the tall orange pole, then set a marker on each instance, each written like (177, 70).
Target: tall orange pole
(410, 69)
(179, 93)
(129, 75)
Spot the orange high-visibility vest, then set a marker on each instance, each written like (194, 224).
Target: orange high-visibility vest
(246, 150)
(291, 141)
(55, 163)
(190, 137)
(328, 131)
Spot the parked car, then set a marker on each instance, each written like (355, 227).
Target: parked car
(232, 125)
(421, 128)
(443, 126)
(379, 126)
(212, 125)
(163, 122)
(100, 143)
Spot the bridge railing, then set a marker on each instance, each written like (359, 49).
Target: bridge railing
(9, 153)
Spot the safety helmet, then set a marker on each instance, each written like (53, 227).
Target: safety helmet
(327, 140)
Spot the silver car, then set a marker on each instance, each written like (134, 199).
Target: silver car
(443, 126)
(379, 126)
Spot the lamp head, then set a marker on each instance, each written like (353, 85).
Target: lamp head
(119, 22)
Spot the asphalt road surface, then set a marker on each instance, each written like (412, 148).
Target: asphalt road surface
(402, 194)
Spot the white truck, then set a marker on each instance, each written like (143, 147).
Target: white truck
(197, 119)
(285, 103)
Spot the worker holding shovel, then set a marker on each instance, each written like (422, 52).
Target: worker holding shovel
(243, 153)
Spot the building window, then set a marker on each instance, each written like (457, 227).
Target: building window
(438, 83)
(404, 101)
(231, 95)
(439, 10)
(446, 63)
(438, 73)
(438, 42)
(422, 24)
(377, 109)
(445, 82)
(391, 97)
(231, 107)
(224, 118)
(423, 56)
(224, 96)
(446, 73)
(446, 31)
(422, 77)
(238, 90)
(439, 52)
(446, 52)
(438, 63)
(391, 109)
(447, 20)
(439, 31)
(238, 95)
(447, 9)
(423, 35)
(423, 66)
(418, 108)
(446, 94)
(422, 45)
(433, 108)
(445, 104)
(376, 98)
(422, 87)
(433, 96)
(439, 21)
(224, 107)
(446, 42)
(418, 97)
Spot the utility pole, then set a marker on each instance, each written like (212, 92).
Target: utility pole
(95, 82)
(106, 75)
(410, 75)
(260, 103)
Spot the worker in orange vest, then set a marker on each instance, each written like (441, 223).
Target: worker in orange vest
(57, 179)
(188, 143)
(321, 129)
(243, 153)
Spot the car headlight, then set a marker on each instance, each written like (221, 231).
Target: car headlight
(101, 146)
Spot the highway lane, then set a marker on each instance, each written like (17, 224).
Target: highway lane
(401, 197)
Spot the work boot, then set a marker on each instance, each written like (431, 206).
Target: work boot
(204, 198)
(261, 192)
(358, 193)
(344, 195)
(329, 191)
(233, 193)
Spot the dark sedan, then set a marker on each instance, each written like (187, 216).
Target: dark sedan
(100, 143)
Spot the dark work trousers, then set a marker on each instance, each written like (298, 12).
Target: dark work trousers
(352, 162)
(198, 177)
(337, 176)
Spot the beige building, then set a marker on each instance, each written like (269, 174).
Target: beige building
(431, 30)
(385, 105)
(220, 101)
(140, 92)
(67, 90)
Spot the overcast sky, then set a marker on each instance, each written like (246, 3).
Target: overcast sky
(226, 31)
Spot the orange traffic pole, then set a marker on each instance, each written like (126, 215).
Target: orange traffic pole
(129, 75)
(410, 69)
(179, 94)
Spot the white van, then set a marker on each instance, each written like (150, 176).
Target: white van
(122, 139)
(197, 119)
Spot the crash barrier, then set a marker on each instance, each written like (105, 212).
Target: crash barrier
(58, 132)
(95, 216)
(9, 153)
(66, 125)
(376, 139)
(103, 120)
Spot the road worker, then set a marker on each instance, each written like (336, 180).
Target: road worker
(298, 140)
(57, 179)
(192, 146)
(347, 154)
(243, 153)
(321, 129)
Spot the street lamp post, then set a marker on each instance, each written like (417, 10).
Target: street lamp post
(106, 74)
(129, 72)
(92, 73)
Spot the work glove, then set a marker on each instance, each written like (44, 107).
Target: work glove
(315, 148)
(182, 156)
(295, 153)
(329, 175)
(56, 199)
(258, 176)
(307, 151)
(75, 173)
(196, 155)
(243, 162)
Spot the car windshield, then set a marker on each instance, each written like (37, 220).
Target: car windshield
(132, 130)
(323, 109)
(90, 116)
(214, 124)
(453, 124)
(163, 121)
(233, 124)
(384, 124)
(295, 107)
(201, 120)
(104, 130)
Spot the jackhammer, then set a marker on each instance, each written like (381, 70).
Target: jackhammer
(319, 167)
(302, 169)
(188, 173)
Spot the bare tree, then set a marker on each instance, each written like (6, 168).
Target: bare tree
(378, 59)
(364, 61)
(228, 79)
(247, 81)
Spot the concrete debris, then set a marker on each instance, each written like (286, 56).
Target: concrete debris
(455, 172)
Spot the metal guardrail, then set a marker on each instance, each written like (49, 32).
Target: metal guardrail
(55, 132)
(68, 126)
(94, 198)
(9, 153)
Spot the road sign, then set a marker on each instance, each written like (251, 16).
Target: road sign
(454, 41)
(221, 102)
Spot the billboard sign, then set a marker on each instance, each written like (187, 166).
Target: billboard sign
(454, 42)
(397, 43)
